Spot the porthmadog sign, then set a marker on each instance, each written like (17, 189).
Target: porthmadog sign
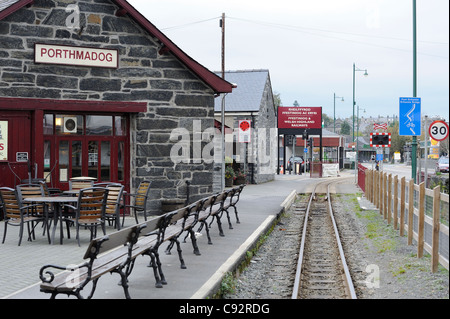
(79, 56)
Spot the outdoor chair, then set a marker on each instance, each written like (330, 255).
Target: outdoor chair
(90, 210)
(17, 215)
(77, 185)
(50, 191)
(140, 201)
(113, 202)
(25, 191)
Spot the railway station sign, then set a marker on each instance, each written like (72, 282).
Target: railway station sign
(295, 120)
(299, 117)
(78, 56)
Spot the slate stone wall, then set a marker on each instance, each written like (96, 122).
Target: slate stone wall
(174, 95)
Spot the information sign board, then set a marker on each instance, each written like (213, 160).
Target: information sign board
(410, 121)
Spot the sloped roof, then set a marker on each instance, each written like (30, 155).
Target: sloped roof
(249, 92)
(9, 6)
(211, 79)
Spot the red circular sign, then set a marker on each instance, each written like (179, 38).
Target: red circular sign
(245, 125)
(438, 130)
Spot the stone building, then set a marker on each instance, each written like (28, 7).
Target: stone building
(251, 100)
(92, 88)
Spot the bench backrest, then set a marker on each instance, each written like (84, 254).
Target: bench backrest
(237, 192)
(116, 239)
(154, 224)
(219, 201)
(177, 215)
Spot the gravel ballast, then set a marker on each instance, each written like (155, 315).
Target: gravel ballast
(381, 263)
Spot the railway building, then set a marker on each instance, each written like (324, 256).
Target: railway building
(252, 102)
(92, 88)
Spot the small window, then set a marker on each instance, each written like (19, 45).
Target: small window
(120, 126)
(99, 125)
(69, 124)
(48, 124)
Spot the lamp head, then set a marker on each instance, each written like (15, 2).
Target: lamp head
(365, 73)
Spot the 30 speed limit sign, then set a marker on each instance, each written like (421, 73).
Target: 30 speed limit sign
(438, 130)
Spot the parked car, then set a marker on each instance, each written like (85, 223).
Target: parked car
(442, 164)
(296, 159)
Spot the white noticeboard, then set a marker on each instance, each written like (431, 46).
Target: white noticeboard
(245, 131)
(3, 140)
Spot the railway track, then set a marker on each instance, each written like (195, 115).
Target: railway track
(322, 272)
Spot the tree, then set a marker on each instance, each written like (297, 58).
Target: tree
(345, 128)
(277, 99)
(296, 103)
(397, 141)
(327, 121)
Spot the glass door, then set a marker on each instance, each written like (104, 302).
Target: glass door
(69, 158)
(99, 159)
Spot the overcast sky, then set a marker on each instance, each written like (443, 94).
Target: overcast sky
(309, 47)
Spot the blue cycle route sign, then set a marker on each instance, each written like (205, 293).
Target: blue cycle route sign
(410, 116)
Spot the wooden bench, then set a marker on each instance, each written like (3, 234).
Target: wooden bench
(107, 254)
(117, 252)
(183, 220)
(234, 199)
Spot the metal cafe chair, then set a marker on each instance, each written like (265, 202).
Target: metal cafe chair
(113, 202)
(80, 184)
(30, 190)
(90, 210)
(17, 215)
(140, 201)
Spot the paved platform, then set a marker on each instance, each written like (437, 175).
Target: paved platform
(258, 207)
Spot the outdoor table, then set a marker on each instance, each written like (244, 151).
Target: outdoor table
(71, 192)
(58, 202)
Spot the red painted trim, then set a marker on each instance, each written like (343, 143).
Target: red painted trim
(71, 105)
(37, 141)
(14, 7)
(218, 84)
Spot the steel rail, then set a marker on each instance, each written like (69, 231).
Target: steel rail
(347, 278)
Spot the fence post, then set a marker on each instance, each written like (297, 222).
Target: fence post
(376, 182)
(381, 193)
(389, 199)
(385, 188)
(402, 205)
(396, 202)
(435, 238)
(421, 230)
(410, 211)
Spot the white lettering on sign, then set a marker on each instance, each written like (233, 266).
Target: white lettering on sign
(80, 56)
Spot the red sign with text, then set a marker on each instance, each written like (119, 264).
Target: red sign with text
(299, 117)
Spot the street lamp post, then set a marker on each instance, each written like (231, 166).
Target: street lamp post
(414, 138)
(334, 108)
(354, 102)
(357, 142)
